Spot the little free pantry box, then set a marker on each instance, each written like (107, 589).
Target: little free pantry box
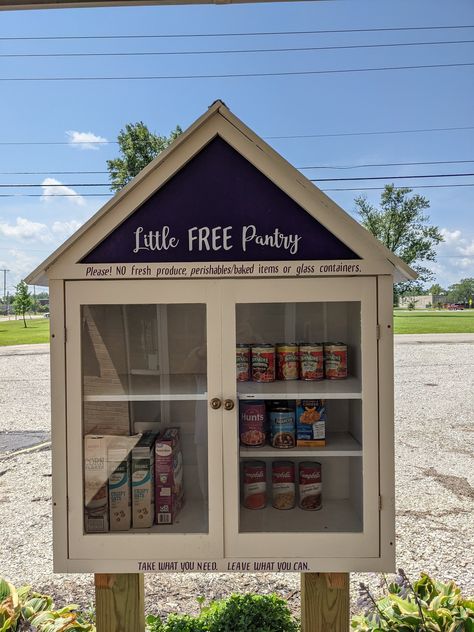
(165, 458)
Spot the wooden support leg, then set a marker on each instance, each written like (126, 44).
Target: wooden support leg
(324, 602)
(119, 602)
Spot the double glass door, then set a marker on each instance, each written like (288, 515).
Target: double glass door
(163, 428)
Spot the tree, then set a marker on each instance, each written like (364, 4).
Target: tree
(402, 226)
(137, 146)
(22, 300)
(436, 290)
(462, 291)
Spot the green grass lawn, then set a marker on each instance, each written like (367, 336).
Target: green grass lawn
(433, 322)
(12, 332)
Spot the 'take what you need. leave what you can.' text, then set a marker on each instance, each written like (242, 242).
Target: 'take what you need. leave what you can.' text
(203, 238)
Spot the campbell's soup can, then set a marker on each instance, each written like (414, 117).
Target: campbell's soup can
(242, 362)
(287, 361)
(335, 360)
(283, 485)
(255, 485)
(263, 363)
(282, 426)
(252, 423)
(310, 486)
(311, 356)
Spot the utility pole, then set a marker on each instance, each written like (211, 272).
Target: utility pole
(4, 270)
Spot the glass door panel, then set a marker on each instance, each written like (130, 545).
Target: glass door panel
(144, 381)
(299, 432)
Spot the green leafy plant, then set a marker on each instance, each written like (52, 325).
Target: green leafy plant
(425, 606)
(237, 613)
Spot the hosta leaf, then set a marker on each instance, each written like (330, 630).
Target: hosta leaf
(404, 606)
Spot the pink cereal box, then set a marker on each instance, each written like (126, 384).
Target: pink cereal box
(168, 476)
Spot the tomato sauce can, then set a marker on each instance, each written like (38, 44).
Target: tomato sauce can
(252, 423)
(335, 360)
(263, 363)
(242, 358)
(311, 356)
(255, 485)
(283, 430)
(283, 485)
(287, 361)
(310, 486)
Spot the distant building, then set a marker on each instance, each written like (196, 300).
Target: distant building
(423, 301)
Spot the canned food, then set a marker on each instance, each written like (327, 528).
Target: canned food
(255, 485)
(242, 357)
(252, 423)
(310, 486)
(283, 485)
(335, 360)
(287, 361)
(282, 424)
(311, 361)
(263, 363)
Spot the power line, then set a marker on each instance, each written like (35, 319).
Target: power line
(360, 166)
(238, 34)
(234, 51)
(98, 195)
(283, 137)
(241, 74)
(357, 178)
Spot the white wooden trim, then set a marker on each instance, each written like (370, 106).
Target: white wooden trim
(386, 421)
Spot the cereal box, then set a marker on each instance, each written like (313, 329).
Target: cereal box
(143, 481)
(120, 500)
(311, 422)
(96, 507)
(168, 476)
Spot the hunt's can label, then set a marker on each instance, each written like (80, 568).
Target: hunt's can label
(335, 360)
(310, 486)
(287, 361)
(242, 358)
(252, 423)
(311, 361)
(283, 485)
(255, 485)
(263, 363)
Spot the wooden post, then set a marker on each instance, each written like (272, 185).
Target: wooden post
(119, 602)
(324, 602)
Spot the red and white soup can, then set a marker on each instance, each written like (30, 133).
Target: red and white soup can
(242, 362)
(311, 361)
(335, 360)
(283, 485)
(287, 361)
(263, 363)
(255, 485)
(310, 486)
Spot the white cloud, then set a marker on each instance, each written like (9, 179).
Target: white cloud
(85, 140)
(53, 188)
(65, 229)
(455, 257)
(25, 230)
(450, 236)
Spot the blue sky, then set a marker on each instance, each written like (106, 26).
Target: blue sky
(62, 112)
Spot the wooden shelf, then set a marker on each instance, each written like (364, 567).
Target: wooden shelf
(152, 388)
(350, 388)
(335, 516)
(337, 444)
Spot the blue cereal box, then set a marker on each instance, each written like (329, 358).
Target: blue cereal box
(310, 422)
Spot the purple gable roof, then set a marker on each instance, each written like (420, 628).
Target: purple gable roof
(219, 188)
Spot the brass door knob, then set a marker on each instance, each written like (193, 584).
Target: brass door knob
(215, 403)
(229, 404)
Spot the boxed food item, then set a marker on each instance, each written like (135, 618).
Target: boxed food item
(96, 506)
(168, 476)
(310, 422)
(120, 500)
(143, 481)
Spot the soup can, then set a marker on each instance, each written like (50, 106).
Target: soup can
(263, 363)
(311, 356)
(335, 360)
(255, 485)
(283, 485)
(287, 361)
(282, 426)
(252, 423)
(242, 360)
(310, 486)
